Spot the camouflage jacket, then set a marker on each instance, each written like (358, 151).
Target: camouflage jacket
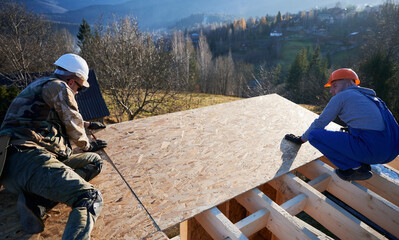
(45, 114)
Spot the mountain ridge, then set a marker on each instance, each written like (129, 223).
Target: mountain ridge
(153, 14)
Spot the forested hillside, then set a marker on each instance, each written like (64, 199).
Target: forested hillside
(291, 54)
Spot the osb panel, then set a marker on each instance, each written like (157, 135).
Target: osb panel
(156, 236)
(183, 163)
(121, 217)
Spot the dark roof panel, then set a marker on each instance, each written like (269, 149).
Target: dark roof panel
(91, 102)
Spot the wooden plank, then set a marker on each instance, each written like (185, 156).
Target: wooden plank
(254, 222)
(380, 184)
(218, 225)
(156, 236)
(319, 234)
(280, 223)
(179, 164)
(394, 164)
(326, 212)
(184, 231)
(292, 206)
(383, 186)
(369, 204)
(295, 205)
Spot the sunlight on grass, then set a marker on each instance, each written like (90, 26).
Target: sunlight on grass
(181, 102)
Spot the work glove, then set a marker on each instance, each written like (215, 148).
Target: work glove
(97, 145)
(96, 125)
(294, 139)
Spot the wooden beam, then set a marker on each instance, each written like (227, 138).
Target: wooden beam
(218, 225)
(280, 223)
(383, 186)
(369, 204)
(326, 212)
(292, 206)
(254, 222)
(394, 163)
(379, 184)
(314, 230)
(184, 231)
(295, 205)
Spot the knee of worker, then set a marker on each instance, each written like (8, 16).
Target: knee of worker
(92, 200)
(95, 164)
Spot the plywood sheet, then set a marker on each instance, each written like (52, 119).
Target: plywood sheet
(121, 217)
(183, 163)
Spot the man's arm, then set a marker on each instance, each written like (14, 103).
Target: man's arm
(330, 112)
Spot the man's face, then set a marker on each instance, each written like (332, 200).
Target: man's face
(338, 86)
(76, 84)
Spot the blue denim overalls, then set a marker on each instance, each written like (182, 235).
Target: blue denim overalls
(348, 150)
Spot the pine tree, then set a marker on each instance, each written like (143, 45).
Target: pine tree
(278, 18)
(84, 33)
(316, 77)
(295, 80)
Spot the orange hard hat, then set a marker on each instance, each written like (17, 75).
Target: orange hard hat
(343, 73)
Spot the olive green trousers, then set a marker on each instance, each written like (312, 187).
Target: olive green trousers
(38, 172)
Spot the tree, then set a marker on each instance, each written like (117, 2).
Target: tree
(28, 43)
(295, 80)
(134, 68)
(84, 33)
(204, 59)
(316, 76)
(278, 18)
(380, 67)
(244, 72)
(223, 76)
(266, 82)
(379, 72)
(184, 62)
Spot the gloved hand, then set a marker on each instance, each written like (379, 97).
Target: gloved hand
(97, 145)
(96, 125)
(294, 139)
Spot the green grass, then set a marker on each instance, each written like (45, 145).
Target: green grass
(181, 102)
(291, 48)
(345, 57)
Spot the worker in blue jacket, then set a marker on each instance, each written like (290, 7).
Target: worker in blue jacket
(372, 136)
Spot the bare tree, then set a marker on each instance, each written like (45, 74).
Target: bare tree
(28, 43)
(181, 60)
(244, 73)
(223, 75)
(265, 83)
(135, 70)
(204, 58)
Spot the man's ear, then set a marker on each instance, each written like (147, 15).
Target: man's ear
(69, 82)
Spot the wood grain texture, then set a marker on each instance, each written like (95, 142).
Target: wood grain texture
(183, 163)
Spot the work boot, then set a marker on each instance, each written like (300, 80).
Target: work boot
(365, 167)
(362, 173)
(30, 215)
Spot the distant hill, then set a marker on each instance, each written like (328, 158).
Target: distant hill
(155, 14)
(198, 19)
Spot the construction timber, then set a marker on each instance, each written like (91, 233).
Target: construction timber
(225, 172)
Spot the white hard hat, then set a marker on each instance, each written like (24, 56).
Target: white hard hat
(75, 64)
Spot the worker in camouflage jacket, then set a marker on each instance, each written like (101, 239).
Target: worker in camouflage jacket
(40, 166)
